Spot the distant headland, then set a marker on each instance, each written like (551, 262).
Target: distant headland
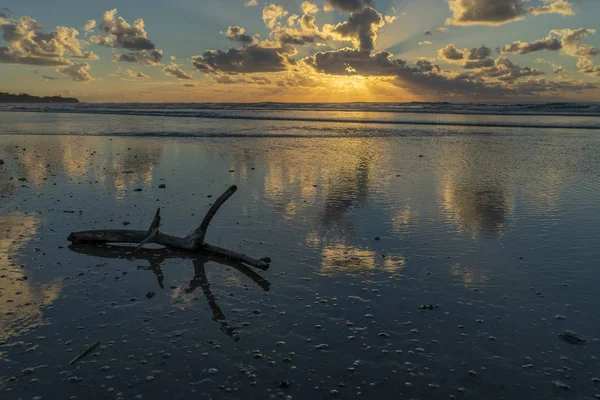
(26, 98)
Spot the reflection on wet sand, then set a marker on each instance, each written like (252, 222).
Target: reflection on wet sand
(21, 299)
(200, 279)
(346, 259)
(468, 275)
(475, 191)
(130, 162)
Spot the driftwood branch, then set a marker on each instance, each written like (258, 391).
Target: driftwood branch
(193, 242)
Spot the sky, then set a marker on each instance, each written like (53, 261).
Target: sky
(302, 51)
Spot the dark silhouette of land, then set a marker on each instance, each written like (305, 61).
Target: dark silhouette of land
(26, 98)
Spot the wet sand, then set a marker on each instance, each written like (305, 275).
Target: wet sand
(496, 238)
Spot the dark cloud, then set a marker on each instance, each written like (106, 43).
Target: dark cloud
(151, 58)
(346, 5)
(361, 28)
(121, 34)
(548, 43)
(451, 53)
(428, 33)
(4, 12)
(49, 78)
(498, 12)
(249, 59)
(175, 70)
(238, 34)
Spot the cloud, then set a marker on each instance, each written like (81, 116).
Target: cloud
(390, 18)
(132, 37)
(129, 74)
(90, 26)
(47, 78)
(271, 15)
(79, 72)
(346, 5)
(442, 29)
(151, 58)
(568, 41)
(476, 57)
(251, 3)
(5, 12)
(425, 43)
(556, 68)
(121, 34)
(238, 34)
(175, 70)
(249, 59)
(498, 12)
(309, 8)
(547, 43)
(361, 29)
(27, 43)
(428, 33)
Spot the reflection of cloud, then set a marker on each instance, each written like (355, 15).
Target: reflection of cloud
(476, 209)
(345, 259)
(475, 195)
(469, 275)
(21, 300)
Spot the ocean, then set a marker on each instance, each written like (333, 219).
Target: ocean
(418, 250)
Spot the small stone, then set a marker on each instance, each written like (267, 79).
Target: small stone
(284, 384)
(28, 371)
(149, 378)
(334, 392)
(162, 186)
(561, 385)
(137, 190)
(377, 238)
(213, 371)
(472, 373)
(150, 295)
(105, 368)
(322, 346)
(560, 317)
(572, 337)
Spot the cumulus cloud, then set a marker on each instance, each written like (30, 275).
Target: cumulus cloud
(309, 8)
(249, 59)
(151, 58)
(425, 43)
(547, 43)
(121, 34)
(271, 15)
(568, 41)
(175, 70)
(129, 74)
(90, 25)
(346, 5)
(79, 72)
(238, 34)
(498, 12)
(132, 37)
(27, 43)
(390, 18)
(361, 28)
(476, 57)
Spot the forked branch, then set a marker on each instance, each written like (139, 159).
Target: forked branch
(192, 242)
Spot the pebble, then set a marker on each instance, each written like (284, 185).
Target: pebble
(322, 346)
(149, 378)
(560, 317)
(162, 186)
(213, 371)
(561, 385)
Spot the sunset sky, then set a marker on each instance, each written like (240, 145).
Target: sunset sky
(301, 51)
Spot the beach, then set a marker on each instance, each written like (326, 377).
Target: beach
(417, 256)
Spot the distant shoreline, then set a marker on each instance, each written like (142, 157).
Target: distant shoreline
(27, 99)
